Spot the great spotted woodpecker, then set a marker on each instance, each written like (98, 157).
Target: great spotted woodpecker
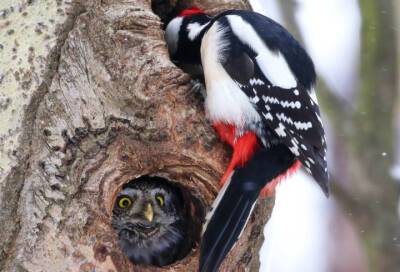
(260, 98)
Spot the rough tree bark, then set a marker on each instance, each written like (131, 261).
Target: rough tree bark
(101, 105)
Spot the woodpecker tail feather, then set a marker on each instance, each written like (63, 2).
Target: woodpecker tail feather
(233, 205)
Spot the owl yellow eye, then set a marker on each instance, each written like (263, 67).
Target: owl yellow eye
(124, 202)
(160, 200)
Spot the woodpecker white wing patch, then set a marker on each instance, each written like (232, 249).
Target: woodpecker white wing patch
(221, 89)
(246, 33)
(275, 67)
(272, 63)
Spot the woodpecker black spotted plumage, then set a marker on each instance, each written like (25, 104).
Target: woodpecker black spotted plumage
(260, 99)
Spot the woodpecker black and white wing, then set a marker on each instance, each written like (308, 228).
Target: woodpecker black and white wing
(235, 202)
(277, 76)
(296, 122)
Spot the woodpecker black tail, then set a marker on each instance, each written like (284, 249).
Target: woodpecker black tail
(235, 202)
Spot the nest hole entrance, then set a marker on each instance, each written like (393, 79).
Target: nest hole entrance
(158, 221)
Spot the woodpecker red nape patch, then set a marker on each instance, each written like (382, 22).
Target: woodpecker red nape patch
(191, 11)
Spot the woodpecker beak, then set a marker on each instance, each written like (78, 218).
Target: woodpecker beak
(148, 213)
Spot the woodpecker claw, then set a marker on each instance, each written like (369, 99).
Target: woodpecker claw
(198, 87)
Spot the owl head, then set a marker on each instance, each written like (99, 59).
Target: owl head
(149, 217)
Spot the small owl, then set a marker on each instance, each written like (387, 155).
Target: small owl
(150, 219)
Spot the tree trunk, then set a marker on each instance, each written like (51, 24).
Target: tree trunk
(90, 101)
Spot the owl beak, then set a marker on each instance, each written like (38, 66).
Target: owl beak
(148, 213)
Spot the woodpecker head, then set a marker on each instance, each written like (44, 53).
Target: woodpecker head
(183, 36)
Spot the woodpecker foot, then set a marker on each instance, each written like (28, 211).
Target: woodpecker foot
(197, 87)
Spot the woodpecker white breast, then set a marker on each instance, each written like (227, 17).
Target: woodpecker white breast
(221, 89)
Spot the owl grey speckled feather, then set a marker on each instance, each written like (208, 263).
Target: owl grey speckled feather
(149, 217)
